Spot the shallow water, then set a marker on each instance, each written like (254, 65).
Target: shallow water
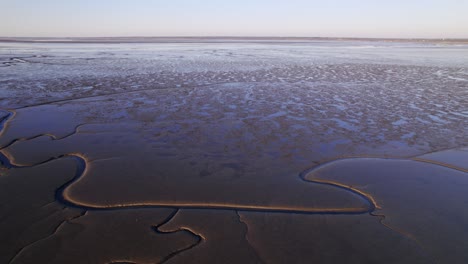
(195, 141)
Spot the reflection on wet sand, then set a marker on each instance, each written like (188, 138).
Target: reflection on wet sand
(282, 162)
(385, 187)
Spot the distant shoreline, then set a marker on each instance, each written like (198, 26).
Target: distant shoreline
(117, 40)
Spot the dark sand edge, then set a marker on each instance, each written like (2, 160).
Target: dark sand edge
(82, 165)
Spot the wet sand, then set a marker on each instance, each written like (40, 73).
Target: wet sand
(233, 154)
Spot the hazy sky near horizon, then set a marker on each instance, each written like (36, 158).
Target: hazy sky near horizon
(331, 18)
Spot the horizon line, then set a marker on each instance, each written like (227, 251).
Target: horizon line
(136, 39)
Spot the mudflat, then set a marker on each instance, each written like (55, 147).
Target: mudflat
(239, 151)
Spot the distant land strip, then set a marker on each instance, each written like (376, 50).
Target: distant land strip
(220, 39)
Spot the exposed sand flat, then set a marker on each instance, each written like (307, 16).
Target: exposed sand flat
(110, 237)
(330, 152)
(29, 210)
(165, 184)
(426, 202)
(283, 238)
(453, 158)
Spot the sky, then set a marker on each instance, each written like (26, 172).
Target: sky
(300, 18)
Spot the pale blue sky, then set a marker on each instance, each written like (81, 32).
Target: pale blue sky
(325, 18)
